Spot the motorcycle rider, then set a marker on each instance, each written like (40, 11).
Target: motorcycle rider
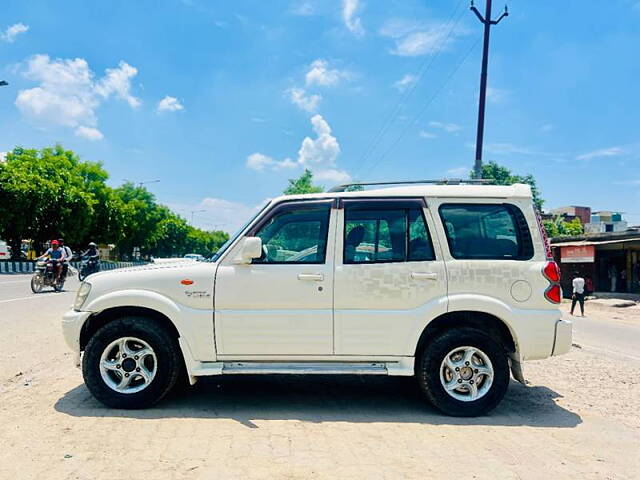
(57, 256)
(69, 256)
(93, 256)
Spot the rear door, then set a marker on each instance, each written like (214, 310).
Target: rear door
(390, 277)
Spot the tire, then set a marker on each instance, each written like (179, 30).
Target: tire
(58, 286)
(81, 274)
(433, 372)
(166, 360)
(37, 283)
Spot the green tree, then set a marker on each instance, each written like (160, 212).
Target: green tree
(559, 227)
(43, 196)
(302, 184)
(503, 176)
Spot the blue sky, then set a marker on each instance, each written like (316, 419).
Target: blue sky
(223, 101)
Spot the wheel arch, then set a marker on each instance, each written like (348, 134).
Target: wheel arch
(486, 322)
(102, 318)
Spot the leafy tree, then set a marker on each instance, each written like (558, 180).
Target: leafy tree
(503, 176)
(43, 196)
(558, 227)
(302, 184)
(141, 218)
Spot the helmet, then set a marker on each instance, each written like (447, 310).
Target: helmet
(55, 242)
(92, 244)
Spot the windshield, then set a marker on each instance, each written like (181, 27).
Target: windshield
(233, 237)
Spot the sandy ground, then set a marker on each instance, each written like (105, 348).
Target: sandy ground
(578, 418)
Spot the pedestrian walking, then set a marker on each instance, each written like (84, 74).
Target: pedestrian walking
(578, 293)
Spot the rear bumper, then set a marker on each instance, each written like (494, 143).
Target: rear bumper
(563, 338)
(72, 323)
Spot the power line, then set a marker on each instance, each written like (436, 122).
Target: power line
(426, 105)
(424, 67)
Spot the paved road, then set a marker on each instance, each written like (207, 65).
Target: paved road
(615, 334)
(578, 418)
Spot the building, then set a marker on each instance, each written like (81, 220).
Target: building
(605, 221)
(571, 212)
(609, 261)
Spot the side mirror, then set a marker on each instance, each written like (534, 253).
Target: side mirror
(251, 248)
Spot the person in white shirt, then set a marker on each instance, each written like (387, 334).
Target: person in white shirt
(578, 293)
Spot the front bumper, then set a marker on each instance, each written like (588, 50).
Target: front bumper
(72, 323)
(563, 338)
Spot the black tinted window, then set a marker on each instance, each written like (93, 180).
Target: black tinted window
(385, 235)
(296, 235)
(486, 232)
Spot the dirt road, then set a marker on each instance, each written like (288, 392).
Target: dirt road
(579, 418)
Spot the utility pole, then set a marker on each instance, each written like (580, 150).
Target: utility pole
(487, 22)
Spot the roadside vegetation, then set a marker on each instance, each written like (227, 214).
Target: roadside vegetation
(50, 192)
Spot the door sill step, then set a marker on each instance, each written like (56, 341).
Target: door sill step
(303, 368)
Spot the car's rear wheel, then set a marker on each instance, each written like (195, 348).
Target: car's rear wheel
(131, 362)
(463, 372)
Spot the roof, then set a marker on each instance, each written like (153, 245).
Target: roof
(582, 243)
(435, 191)
(596, 239)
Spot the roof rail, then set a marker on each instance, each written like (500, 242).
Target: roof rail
(444, 181)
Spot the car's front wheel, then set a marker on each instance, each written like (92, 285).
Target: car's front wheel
(463, 372)
(131, 362)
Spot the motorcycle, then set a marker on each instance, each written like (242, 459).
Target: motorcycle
(45, 276)
(89, 265)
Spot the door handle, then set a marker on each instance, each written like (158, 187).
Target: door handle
(424, 276)
(311, 277)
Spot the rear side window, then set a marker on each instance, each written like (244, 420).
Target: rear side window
(378, 235)
(483, 231)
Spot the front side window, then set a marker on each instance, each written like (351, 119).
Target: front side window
(479, 231)
(295, 235)
(377, 235)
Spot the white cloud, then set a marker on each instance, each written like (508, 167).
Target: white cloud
(413, 38)
(169, 104)
(405, 82)
(425, 134)
(304, 9)
(497, 95)
(218, 214)
(351, 21)
(458, 172)
(447, 127)
(67, 94)
(604, 152)
(258, 161)
(89, 133)
(509, 149)
(118, 81)
(547, 127)
(318, 154)
(322, 75)
(308, 103)
(10, 34)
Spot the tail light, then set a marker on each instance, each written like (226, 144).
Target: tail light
(551, 272)
(553, 293)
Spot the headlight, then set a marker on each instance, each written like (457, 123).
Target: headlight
(81, 296)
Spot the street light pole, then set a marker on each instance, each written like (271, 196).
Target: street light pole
(194, 212)
(487, 22)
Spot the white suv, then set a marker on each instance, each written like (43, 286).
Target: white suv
(452, 284)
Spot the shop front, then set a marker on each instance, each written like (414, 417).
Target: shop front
(607, 262)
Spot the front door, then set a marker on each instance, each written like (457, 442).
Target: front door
(282, 303)
(390, 278)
